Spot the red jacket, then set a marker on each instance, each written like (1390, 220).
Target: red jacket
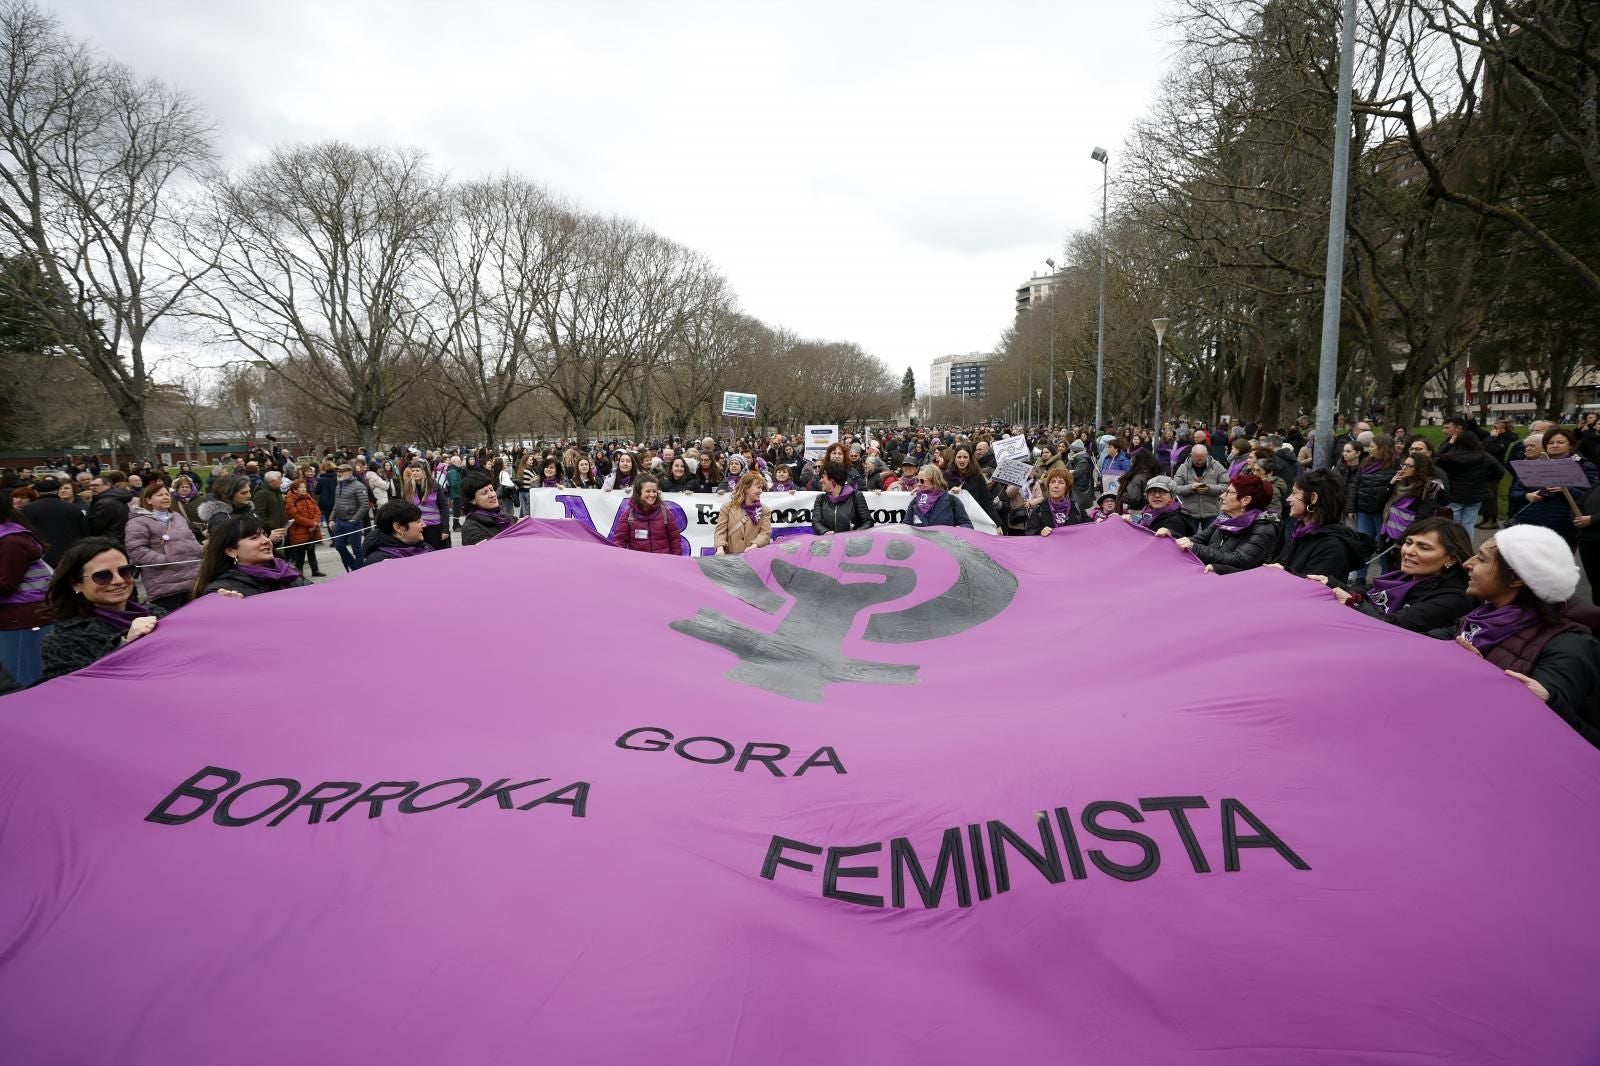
(651, 531)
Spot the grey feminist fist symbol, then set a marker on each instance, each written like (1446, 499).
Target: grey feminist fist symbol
(806, 652)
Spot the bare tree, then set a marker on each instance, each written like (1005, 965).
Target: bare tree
(93, 160)
(320, 256)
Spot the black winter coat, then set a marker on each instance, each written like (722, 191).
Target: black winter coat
(1179, 523)
(1332, 551)
(1434, 603)
(1040, 518)
(75, 643)
(1471, 475)
(108, 513)
(1367, 489)
(1227, 553)
(850, 513)
(245, 585)
(476, 527)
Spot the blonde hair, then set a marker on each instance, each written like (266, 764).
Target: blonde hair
(934, 476)
(751, 477)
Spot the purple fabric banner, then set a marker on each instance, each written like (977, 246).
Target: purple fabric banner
(608, 807)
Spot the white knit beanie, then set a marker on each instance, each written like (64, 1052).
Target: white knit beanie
(1541, 559)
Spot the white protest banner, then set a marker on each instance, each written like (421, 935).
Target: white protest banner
(696, 512)
(818, 438)
(1013, 471)
(1011, 448)
(738, 405)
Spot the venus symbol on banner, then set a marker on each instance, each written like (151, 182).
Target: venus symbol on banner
(806, 651)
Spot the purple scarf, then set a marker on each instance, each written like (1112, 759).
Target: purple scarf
(550, 483)
(1147, 517)
(844, 494)
(754, 512)
(499, 518)
(277, 572)
(1388, 592)
(1302, 529)
(1371, 468)
(124, 618)
(1239, 522)
(1061, 512)
(1234, 468)
(404, 551)
(1486, 625)
(926, 500)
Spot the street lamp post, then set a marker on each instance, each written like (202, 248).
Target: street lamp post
(1160, 325)
(1069, 399)
(1050, 299)
(265, 367)
(1099, 155)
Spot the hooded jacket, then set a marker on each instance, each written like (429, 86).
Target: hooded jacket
(108, 512)
(1206, 504)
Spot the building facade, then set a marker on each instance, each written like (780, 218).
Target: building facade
(960, 375)
(1036, 291)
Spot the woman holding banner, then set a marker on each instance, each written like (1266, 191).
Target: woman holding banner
(839, 508)
(1246, 534)
(484, 519)
(239, 562)
(932, 505)
(1549, 506)
(647, 524)
(744, 523)
(583, 474)
(1429, 590)
(91, 596)
(622, 476)
(1056, 509)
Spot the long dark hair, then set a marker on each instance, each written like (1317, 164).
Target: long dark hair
(1328, 488)
(216, 561)
(65, 602)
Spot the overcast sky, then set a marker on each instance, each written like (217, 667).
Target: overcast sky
(881, 172)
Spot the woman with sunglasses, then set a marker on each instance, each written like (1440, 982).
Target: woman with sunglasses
(932, 505)
(239, 562)
(92, 597)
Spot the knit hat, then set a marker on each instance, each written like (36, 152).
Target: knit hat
(1160, 483)
(1077, 448)
(1541, 559)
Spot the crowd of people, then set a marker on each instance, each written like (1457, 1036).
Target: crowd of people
(93, 555)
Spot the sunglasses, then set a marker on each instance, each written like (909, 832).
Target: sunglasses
(103, 577)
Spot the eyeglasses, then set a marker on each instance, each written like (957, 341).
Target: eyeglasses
(126, 572)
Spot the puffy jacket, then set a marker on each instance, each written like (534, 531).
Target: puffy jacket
(351, 501)
(173, 562)
(1206, 504)
(1247, 549)
(305, 515)
(736, 534)
(1368, 488)
(478, 526)
(945, 512)
(74, 643)
(1177, 522)
(1433, 603)
(1332, 551)
(850, 513)
(652, 531)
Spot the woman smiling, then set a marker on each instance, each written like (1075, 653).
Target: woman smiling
(92, 596)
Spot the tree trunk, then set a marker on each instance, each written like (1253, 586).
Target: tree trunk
(133, 416)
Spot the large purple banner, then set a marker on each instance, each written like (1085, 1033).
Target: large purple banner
(898, 797)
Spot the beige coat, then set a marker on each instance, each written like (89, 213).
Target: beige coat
(735, 532)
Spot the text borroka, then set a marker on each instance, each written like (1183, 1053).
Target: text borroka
(984, 848)
(216, 789)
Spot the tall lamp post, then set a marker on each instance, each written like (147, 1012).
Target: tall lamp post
(1100, 156)
(1069, 399)
(1051, 263)
(265, 367)
(1160, 325)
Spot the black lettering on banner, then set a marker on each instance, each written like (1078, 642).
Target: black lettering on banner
(980, 865)
(409, 805)
(1069, 839)
(376, 796)
(291, 789)
(816, 759)
(903, 858)
(501, 791)
(315, 801)
(770, 761)
(162, 815)
(832, 872)
(578, 802)
(652, 744)
(1048, 862)
(1263, 838)
(705, 514)
(682, 748)
(1175, 806)
(1152, 855)
(776, 858)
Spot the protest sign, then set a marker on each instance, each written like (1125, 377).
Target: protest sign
(817, 440)
(738, 405)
